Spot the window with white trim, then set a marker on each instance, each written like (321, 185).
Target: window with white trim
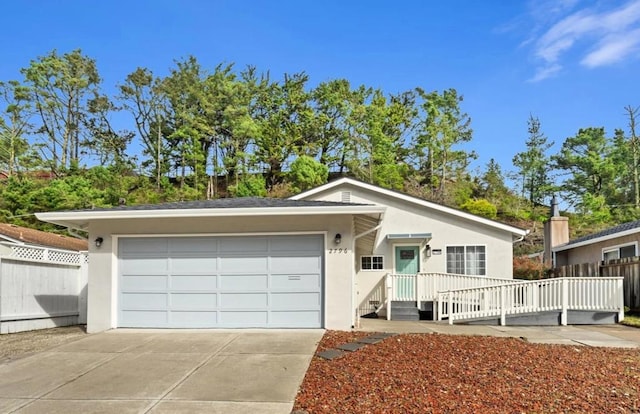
(371, 262)
(619, 252)
(467, 260)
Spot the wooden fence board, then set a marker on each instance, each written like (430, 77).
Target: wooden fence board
(628, 268)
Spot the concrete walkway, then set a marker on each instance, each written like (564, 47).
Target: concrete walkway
(618, 336)
(160, 371)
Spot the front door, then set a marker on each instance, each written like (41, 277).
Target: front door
(407, 263)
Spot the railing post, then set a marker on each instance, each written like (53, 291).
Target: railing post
(503, 306)
(565, 300)
(389, 287)
(620, 289)
(450, 307)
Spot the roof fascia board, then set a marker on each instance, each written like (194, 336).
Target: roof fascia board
(411, 199)
(569, 246)
(76, 216)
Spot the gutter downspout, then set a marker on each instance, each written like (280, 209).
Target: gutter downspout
(355, 318)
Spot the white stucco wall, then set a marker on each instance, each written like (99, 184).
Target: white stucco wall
(102, 300)
(447, 230)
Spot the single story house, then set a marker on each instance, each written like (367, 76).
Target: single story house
(616, 242)
(307, 261)
(18, 235)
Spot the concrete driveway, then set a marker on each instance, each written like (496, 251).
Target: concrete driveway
(159, 371)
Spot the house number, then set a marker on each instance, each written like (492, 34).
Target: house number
(340, 250)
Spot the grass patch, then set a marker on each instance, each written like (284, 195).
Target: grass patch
(631, 319)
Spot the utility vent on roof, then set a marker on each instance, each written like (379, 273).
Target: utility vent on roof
(346, 196)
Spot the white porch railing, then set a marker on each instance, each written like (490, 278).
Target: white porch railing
(562, 294)
(424, 287)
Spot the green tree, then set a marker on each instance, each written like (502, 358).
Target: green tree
(14, 126)
(587, 161)
(305, 173)
(441, 127)
(283, 121)
(142, 96)
(533, 164)
(60, 87)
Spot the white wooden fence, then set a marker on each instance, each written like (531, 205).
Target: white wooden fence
(561, 294)
(41, 288)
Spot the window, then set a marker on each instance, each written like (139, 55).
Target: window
(619, 252)
(466, 260)
(371, 263)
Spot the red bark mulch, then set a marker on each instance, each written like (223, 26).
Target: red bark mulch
(432, 373)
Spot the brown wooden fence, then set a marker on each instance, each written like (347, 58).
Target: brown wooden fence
(629, 268)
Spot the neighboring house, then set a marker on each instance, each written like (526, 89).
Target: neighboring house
(23, 235)
(307, 261)
(613, 243)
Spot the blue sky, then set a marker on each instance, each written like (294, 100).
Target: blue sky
(572, 63)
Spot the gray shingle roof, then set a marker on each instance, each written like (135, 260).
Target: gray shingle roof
(607, 232)
(244, 202)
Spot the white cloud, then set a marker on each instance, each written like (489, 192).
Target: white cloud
(546, 72)
(612, 49)
(600, 37)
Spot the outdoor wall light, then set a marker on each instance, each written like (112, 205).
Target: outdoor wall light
(99, 241)
(337, 239)
(427, 250)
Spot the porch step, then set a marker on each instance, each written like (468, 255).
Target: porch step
(404, 311)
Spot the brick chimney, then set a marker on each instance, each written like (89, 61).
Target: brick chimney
(556, 232)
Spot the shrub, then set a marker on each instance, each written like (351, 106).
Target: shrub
(249, 186)
(528, 268)
(481, 207)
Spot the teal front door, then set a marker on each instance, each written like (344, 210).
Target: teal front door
(407, 263)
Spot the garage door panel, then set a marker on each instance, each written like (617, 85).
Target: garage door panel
(146, 245)
(296, 244)
(146, 318)
(191, 245)
(188, 282)
(194, 319)
(295, 319)
(208, 282)
(243, 245)
(243, 318)
(243, 300)
(144, 266)
(295, 300)
(201, 301)
(193, 264)
(244, 282)
(296, 282)
(144, 282)
(145, 301)
(243, 264)
(295, 265)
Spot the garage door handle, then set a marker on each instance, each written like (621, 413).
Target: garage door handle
(296, 277)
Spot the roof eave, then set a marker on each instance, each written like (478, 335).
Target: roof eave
(80, 219)
(569, 246)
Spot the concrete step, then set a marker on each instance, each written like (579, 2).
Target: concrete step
(407, 317)
(404, 311)
(403, 304)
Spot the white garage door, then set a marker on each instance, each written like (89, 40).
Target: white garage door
(225, 282)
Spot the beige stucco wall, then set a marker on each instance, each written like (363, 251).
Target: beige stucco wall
(446, 230)
(102, 301)
(592, 253)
